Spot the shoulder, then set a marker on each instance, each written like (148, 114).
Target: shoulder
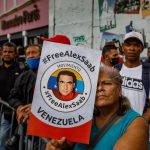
(55, 91)
(132, 112)
(118, 66)
(137, 119)
(139, 128)
(146, 65)
(140, 121)
(137, 122)
(27, 74)
(135, 137)
(128, 118)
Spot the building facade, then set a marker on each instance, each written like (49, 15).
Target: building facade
(21, 21)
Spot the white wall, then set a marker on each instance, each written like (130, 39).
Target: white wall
(79, 19)
(76, 19)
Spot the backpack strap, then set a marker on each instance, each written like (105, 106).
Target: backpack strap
(102, 132)
(146, 82)
(146, 77)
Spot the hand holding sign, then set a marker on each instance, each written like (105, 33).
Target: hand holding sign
(62, 144)
(23, 113)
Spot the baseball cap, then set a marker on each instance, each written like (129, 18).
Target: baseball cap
(134, 34)
(59, 38)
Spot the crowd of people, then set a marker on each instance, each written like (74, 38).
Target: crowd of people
(123, 94)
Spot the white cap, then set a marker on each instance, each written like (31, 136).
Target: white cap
(134, 34)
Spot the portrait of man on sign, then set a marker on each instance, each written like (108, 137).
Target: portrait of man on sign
(66, 83)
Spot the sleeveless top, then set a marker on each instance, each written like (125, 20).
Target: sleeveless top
(110, 138)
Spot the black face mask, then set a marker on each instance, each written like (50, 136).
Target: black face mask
(114, 61)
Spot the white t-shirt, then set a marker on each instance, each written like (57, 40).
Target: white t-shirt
(133, 88)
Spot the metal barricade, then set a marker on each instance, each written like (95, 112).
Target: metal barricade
(3, 103)
(25, 142)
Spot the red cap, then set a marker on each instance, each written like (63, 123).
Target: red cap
(58, 39)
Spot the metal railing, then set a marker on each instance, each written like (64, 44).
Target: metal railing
(24, 142)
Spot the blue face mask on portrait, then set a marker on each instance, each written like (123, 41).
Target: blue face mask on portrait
(33, 63)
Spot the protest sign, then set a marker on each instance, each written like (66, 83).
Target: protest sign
(65, 91)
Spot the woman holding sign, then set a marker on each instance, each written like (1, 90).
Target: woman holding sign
(115, 125)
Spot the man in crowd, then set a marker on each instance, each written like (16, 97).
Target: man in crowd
(110, 55)
(9, 71)
(22, 92)
(66, 82)
(136, 75)
(148, 55)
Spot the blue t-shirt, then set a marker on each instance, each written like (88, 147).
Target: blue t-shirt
(110, 138)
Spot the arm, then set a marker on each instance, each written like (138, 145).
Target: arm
(22, 94)
(15, 96)
(62, 144)
(135, 137)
